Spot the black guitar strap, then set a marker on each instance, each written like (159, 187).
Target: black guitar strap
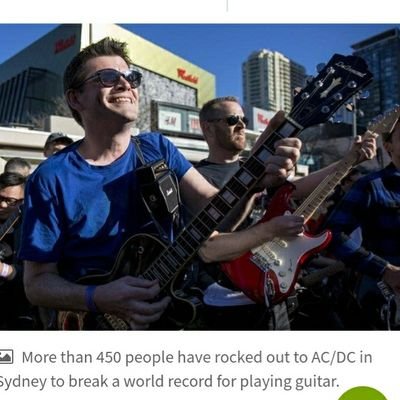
(136, 143)
(159, 191)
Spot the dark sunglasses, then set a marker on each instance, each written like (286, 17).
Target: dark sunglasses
(231, 120)
(110, 77)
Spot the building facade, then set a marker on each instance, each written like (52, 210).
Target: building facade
(382, 54)
(31, 81)
(269, 79)
(32, 99)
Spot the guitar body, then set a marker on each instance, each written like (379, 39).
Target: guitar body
(133, 259)
(270, 271)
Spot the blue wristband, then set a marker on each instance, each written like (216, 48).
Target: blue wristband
(89, 299)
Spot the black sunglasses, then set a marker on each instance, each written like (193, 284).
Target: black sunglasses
(110, 77)
(231, 120)
(10, 201)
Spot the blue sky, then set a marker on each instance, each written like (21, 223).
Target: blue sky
(221, 48)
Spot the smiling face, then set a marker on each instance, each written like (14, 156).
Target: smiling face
(98, 104)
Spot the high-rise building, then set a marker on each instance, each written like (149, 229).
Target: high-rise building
(269, 79)
(382, 54)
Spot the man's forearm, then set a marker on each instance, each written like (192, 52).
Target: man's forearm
(52, 291)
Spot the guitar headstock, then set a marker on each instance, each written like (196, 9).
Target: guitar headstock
(336, 82)
(386, 122)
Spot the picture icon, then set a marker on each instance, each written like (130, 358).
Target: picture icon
(6, 356)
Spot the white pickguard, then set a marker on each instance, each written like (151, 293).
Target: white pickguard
(281, 257)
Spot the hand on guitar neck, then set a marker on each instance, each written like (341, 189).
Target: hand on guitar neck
(363, 148)
(287, 153)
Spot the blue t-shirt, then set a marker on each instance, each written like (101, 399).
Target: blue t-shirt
(79, 215)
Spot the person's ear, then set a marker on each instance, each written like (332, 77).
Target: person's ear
(72, 97)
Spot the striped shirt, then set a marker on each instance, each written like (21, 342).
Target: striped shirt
(373, 205)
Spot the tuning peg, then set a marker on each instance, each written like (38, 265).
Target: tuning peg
(338, 96)
(364, 94)
(320, 67)
(325, 110)
(361, 113)
(349, 107)
(305, 95)
(319, 83)
(352, 85)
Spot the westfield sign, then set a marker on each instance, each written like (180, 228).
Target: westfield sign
(63, 44)
(182, 74)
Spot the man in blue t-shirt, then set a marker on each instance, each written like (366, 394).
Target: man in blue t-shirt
(84, 202)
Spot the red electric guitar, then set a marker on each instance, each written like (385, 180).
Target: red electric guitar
(268, 273)
(148, 257)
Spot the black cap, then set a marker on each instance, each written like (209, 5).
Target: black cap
(56, 136)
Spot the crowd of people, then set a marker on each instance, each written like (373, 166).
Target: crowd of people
(75, 247)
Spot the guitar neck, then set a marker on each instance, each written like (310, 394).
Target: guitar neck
(9, 223)
(188, 242)
(322, 191)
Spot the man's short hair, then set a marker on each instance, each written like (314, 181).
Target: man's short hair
(16, 164)
(58, 137)
(74, 73)
(210, 109)
(11, 179)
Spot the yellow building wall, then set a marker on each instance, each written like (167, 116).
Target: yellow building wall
(154, 58)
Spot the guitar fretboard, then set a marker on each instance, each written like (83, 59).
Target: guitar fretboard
(188, 242)
(322, 191)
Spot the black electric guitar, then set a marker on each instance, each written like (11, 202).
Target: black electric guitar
(146, 256)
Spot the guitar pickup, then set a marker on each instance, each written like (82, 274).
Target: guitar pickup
(260, 262)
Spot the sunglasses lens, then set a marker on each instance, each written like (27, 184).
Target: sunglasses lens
(109, 77)
(232, 120)
(134, 78)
